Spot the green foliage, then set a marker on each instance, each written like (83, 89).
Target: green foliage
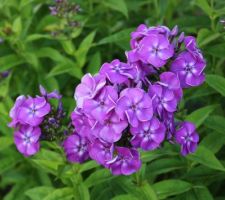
(34, 55)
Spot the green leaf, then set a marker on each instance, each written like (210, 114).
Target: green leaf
(148, 191)
(213, 141)
(200, 115)
(84, 192)
(216, 50)
(118, 37)
(95, 63)
(68, 46)
(17, 25)
(88, 165)
(164, 165)
(202, 193)
(216, 123)
(216, 82)
(171, 187)
(61, 194)
(10, 61)
(203, 4)
(119, 5)
(83, 49)
(39, 193)
(205, 157)
(5, 142)
(97, 177)
(124, 197)
(205, 36)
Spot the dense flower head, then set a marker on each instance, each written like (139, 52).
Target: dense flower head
(126, 107)
(131, 105)
(33, 119)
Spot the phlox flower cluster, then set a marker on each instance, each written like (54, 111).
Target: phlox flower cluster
(131, 105)
(28, 115)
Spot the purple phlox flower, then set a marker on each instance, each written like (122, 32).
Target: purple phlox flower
(26, 139)
(135, 105)
(118, 72)
(189, 69)
(138, 34)
(101, 151)
(76, 148)
(82, 123)
(171, 81)
(155, 49)
(88, 88)
(33, 110)
(163, 99)
(148, 135)
(102, 104)
(191, 46)
(111, 129)
(14, 112)
(126, 162)
(52, 95)
(187, 137)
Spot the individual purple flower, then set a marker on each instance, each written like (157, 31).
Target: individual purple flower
(101, 151)
(189, 69)
(88, 88)
(118, 72)
(148, 135)
(111, 129)
(135, 105)
(33, 110)
(171, 81)
(14, 112)
(162, 99)
(126, 162)
(155, 49)
(76, 148)
(26, 139)
(100, 106)
(187, 137)
(138, 34)
(82, 123)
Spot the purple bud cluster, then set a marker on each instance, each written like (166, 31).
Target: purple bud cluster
(28, 116)
(66, 11)
(131, 105)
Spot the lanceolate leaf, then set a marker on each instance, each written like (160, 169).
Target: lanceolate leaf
(216, 82)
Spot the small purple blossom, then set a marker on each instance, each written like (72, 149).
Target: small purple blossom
(88, 88)
(27, 139)
(118, 72)
(76, 148)
(155, 49)
(52, 95)
(135, 105)
(126, 162)
(189, 69)
(187, 137)
(14, 112)
(33, 110)
(148, 135)
(100, 106)
(101, 151)
(111, 129)
(163, 99)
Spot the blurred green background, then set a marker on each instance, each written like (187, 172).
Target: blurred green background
(38, 48)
